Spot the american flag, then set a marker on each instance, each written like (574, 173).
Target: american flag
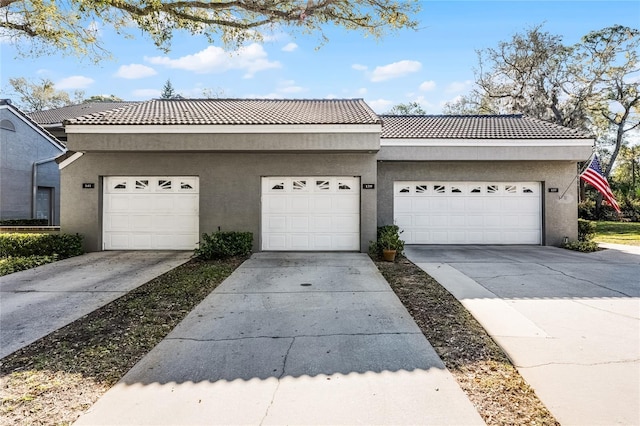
(594, 176)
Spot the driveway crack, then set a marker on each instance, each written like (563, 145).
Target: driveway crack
(231, 339)
(275, 391)
(587, 281)
(586, 364)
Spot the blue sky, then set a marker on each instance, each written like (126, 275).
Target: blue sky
(431, 66)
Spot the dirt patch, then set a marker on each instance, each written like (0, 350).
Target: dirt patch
(483, 371)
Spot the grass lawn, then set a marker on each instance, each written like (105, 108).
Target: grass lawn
(618, 233)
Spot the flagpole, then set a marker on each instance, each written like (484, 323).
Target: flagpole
(576, 176)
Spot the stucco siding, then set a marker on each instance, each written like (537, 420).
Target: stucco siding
(560, 216)
(224, 142)
(489, 152)
(230, 186)
(18, 152)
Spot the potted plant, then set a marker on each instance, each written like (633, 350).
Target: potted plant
(389, 242)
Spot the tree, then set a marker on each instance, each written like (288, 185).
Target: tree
(411, 108)
(592, 85)
(103, 98)
(70, 27)
(168, 92)
(39, 96)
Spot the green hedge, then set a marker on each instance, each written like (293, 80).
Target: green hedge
(24, 222)
(220, 245)
(10, 265)
(25, 245)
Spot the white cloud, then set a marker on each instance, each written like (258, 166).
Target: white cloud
(289, 86)
(146, 94)
(427, 85)
(74, 82)
(395, 70)
(459, 86)
(362, 91)
(213, 59)
(359, 67)
(290, 47)
(134, 71)
(380, 105)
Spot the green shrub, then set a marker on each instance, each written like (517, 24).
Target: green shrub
(221, 245)
(587, 209)
(24, 222)
(583, 246)
(388, 237)
(586, 230)
(585, 243)
(26, 245)
(10, 265)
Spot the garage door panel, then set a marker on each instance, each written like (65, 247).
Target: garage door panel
(468, 212)
(322, 214)
(150, 213)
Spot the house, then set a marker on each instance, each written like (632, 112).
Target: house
(29, 175)
(315, 175)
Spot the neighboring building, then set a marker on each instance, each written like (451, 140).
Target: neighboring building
(29, 174)
(315, 175)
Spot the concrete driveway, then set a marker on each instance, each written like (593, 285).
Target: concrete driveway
(291, 338)
(569, 321)
(35, 302)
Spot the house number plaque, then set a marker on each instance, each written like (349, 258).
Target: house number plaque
(88, 185)
(368, 186)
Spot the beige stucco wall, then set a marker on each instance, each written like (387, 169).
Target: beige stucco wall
(560, 216)
(230, 185)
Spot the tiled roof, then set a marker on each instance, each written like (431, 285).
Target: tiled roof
(58, 115)
(473, 127)
(236, 111)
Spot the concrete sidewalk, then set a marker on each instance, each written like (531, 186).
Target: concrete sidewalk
(291, 338)
(569, 321)
(36, 302)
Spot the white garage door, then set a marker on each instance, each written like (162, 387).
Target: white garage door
(150, 213)
(311, 213)
(468, 212)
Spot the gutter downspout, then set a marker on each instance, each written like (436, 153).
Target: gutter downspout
(34, 185)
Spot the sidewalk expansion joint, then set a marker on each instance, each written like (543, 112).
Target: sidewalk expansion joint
(231, 339)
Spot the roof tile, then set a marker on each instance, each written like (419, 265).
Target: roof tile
(58, 115)
(514, 126)
(236, 111)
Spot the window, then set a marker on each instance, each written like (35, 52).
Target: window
(343, 186)
(164, 184)
(7, 125)
(421, 189)
(323, 185)
(405, 190)
(476, 190)
(120, 185)
(511, 189)
(278, 186)
(439, 189)
(527, 190)
(299, 185)
(492, 189)
(185, 185)
(456, 190)
(142, 184)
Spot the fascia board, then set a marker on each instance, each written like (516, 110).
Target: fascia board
(484, 142)
(227, 129)
(70, 160)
